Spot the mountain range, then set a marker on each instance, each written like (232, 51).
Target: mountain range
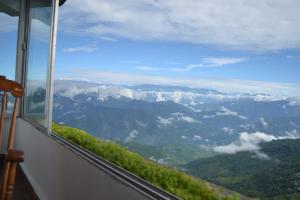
(205, 132)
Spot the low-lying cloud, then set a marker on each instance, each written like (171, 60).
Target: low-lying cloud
(250, 142)
(176, 117)
(226, 112)
(131, 136)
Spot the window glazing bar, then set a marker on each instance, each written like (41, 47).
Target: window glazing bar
(51, 64)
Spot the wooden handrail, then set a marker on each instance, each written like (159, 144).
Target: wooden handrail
(16, 89)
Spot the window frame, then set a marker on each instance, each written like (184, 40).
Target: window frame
(140, 185)
(22, 60)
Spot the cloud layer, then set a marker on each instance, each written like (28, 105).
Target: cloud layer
(258, 25)
(225, 85)
(250, 142)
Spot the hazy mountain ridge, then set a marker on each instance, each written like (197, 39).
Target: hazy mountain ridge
(139, 115)
(181, 127)
(155, 93)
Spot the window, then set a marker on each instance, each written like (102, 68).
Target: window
(38, 75)
(199, 90)
(9, 16)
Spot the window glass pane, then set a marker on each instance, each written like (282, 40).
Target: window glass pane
(37, 62)
(200, 90)
(9, 16)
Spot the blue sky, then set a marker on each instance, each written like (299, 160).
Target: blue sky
(8, 53)
(202, 41)
(167, 41)
(173, 59)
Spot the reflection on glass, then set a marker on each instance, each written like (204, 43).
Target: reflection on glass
(37, 63)
(9, 16)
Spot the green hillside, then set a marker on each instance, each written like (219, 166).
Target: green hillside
(276, 178)
(171, 180)
(174, 156)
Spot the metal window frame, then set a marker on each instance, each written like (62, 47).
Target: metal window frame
(137, 183)
(22, 59)
(51, 65)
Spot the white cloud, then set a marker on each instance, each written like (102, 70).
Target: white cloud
(183, 137)
(160, 97)
(245, 126)
(160, 160)
(293, 57)
(206, 63)
(208, 116)
(165, 121)
(108, 39)
(239, 24)
(189, 119)
(217, 62)
(247, 142)
(181, 117)
(250, 142)
(265, 97)
(226, 112)
(146, 68)
(263, 122)
(197, 137)
(86, 48)
(186, 68)
(176, 117)
(73, 91)
(224, 85)
(230, 131)
(131, 135)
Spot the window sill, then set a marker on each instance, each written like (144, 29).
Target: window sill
(125, 176)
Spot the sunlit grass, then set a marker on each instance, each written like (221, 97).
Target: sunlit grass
(171, 180)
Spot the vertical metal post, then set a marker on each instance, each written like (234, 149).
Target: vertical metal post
(51, 65)
(22, 44)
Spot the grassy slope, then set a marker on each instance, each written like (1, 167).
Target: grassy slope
(171, 180)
